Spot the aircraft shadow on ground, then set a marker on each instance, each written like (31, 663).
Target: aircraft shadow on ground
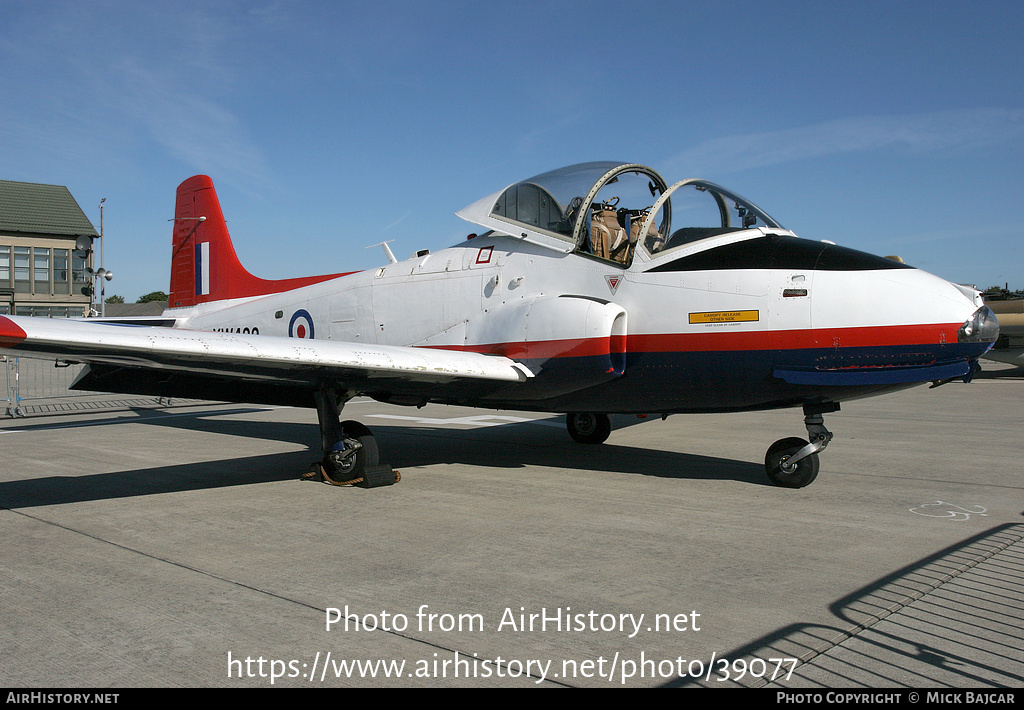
(50, 489)
(542, 442)
(1002, 373)
(505, 446)
(929, 639)
(57, 490)
(515, 446)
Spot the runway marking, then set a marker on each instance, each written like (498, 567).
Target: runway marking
(475, 420)
(941, 509)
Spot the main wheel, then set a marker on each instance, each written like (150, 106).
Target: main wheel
(340, 470)
(588, 427)
(786, 475)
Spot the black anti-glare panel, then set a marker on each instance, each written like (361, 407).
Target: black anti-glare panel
(780, 252)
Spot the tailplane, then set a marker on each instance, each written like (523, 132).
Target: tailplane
(204, 266)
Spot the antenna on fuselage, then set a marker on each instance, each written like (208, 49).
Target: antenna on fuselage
(387, 250)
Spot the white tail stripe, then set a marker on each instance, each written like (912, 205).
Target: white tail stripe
(203, 268)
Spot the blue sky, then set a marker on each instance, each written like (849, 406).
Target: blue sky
(896, 128)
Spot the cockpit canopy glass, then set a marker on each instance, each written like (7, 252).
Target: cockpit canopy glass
(704, 209)
(608, 210)
(545, 201)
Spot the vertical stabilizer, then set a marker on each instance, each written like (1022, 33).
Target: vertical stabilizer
(204, 266)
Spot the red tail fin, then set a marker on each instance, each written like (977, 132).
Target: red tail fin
(204, 266)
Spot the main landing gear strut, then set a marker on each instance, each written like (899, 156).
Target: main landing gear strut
(793, 462)
(350, 450)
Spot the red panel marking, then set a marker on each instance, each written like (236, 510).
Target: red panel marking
(484, 255)
(10, 333)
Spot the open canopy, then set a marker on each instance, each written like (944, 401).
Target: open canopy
(609, 210)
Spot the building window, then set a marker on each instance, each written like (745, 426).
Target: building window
(22, 269)
(46, 311)
(61, 273)
(41, 269)
(5, 267)
(78, 276)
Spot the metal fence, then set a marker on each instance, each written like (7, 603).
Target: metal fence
(47, 384)
(10, 379)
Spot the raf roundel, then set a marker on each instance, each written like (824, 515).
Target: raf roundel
(301, 325)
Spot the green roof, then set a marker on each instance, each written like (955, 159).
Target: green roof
(30, 208)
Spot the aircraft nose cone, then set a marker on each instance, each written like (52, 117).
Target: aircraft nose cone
(981, 327)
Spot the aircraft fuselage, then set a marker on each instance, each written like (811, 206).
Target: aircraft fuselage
(682, 333)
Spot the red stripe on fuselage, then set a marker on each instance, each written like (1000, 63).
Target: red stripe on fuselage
(544, 349)
(863, 337)
(869, 336)
(10, 333)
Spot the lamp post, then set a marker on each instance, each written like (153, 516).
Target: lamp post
(102, 274)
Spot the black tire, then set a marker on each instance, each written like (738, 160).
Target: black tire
(588, 427)
(801, 474)
(366, 456)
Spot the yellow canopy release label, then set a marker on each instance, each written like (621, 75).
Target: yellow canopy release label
(724, 317)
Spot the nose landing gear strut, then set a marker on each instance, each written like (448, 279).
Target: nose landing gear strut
(793, 462)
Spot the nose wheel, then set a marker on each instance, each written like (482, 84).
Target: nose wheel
(793, 462)
(786, 471)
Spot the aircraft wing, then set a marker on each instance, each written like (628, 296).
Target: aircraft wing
(251, 368)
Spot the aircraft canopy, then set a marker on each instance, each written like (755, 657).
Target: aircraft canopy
(610, 210)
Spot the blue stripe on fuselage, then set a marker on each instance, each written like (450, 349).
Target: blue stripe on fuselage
(746, 380)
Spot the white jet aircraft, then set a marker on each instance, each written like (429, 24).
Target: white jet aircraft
(590, 290)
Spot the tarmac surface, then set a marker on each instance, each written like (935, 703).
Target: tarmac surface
(177, 546)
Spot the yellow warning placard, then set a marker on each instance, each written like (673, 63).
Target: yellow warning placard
(724, 317)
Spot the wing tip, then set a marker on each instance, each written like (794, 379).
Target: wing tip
(10, 333)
